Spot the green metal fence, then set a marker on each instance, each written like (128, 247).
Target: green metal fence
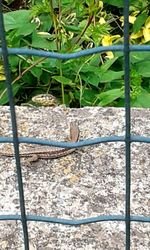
(127, 139)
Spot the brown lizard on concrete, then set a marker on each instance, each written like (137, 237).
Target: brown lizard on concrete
(45, 152)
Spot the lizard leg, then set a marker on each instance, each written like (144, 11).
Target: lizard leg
(31, 159)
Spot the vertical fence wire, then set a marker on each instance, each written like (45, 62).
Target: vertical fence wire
(127, 122)
(14, 128)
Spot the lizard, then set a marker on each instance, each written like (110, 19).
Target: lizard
(45, 152)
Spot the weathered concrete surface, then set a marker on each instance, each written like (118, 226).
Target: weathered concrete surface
(88, 183)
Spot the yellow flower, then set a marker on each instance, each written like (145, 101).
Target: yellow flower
(144, 33)
(101, 4)
(2, 74)
(102, 20)
(107, 41)
(147, 23)
(131, 19)
(146, 30)
(136, 35)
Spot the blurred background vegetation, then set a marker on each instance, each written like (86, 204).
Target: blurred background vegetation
(67, 26)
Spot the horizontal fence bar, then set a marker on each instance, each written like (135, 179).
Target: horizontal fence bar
(100, 49)
(75, 222)
(87, 142)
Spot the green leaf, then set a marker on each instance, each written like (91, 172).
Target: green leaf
(140, 20)
(25, 30)
(29, 79)
(143, 68)
(139, 56)
(14, 61)
(4, 95)
(108, 64)
(65, 81)
(9, 22)
(9, 1)
(19, 19)
(37, 72)
(110, 75)
(91, 78)
(41, 42)
(45, 22)
(95, 60)
(117, 3)
(89, 68)
(88, 97)
(109, 96)
(142, 100)
(72, 28)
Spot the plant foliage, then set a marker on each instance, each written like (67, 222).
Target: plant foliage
(67, 26)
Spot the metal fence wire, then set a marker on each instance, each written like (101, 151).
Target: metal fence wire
(127, 139)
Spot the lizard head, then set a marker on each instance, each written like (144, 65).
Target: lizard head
(45, 100)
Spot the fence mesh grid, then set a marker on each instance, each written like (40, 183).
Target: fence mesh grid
(127, 139)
